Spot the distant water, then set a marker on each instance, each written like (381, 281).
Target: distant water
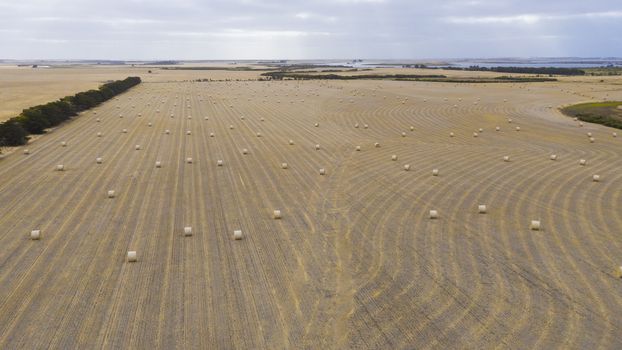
(563, 62)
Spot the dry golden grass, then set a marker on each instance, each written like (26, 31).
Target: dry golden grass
(355, 262)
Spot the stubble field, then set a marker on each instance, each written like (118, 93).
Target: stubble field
(355, 261)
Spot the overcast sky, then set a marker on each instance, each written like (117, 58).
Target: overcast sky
(297, 29)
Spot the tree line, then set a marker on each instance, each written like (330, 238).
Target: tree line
(523, 70)
(35, 120)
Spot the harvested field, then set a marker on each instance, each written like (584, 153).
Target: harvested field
(355, 260)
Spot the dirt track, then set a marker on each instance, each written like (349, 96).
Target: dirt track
(355, 262)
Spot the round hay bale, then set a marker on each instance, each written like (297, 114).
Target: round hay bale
(553, 157)
(230, 127)
(237, 235)
(35, 235)
(518, 128)
(510, 120)
(322, 171)
(403, 134)
(60, 167)
(434, 172)
(110, 194)
(261, 119)
(188, 132)
(131, 256)
(535, 225)
(592, 140)
(99, 134)
(211, 134)
(137, 147)
(433, 214)
(475, 134)
(205, 118)
(149, 124)
(497, 128)
(376, 144)
(283, 165)
(244, 151)
(412, 128)
(219, 162)
(481, 130)
(582, 162)
(580, 124)
(187, 231)
(451, 134)
(356, 125)
(614, 134)
(189, 160)
(98, 120)
(481, 209)
(317, 125)
(124, 131)
(26, 151)
(589, 134)
(167, 131)
(506, 158)
(158, 164)
(258, 134)
(99, 160)
(596, 178)
(366, 126)
(317, 147)
(358, 148)
(394, 157)
(63, 144)
(277, 214)
(406, 167)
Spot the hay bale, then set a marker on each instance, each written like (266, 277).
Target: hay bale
(322, 171)
(403, 134)
(205, 118)
(187, 231)
(276, 214)
(237, 235)
(580, 124)
(317, 125)
(244, 151)
(98, 120)
(510, 120)
(35, 234)
(518, 128)
(283, 165)
(497, 128)
(592, 140)
(26, 151)
(291, 142)
(99, 160)
(356, 125)
(230, 127)
(137, 147)
(615, 134)
(481, 130)
(535, 225)
(63, 144)
(589, 134)
(124, 131)
(317, 147)
(189, 160)
(188, 132)
(475, 134)
(406, 167)
(506, 158)
(434, 172)
(582, 162)
(376, 144)
(433, 214)
(110, 194)
(60, 167)
(261, 119)
(131, 256)
(366, 126)
(596, 178)
(358, 148)
(167, 131)
(553, 157)
(394, 157)
(412, 128)
(149, 124)
(451, 134)
(99, 134)
(158, 164)
(258, 134)
(211, 134)
(481, 209)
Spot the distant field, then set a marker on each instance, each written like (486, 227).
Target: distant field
(606, 113)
